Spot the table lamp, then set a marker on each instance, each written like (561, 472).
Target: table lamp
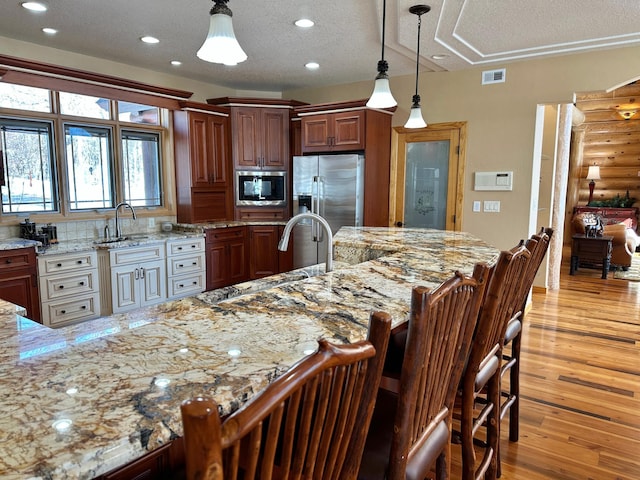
(592, 174)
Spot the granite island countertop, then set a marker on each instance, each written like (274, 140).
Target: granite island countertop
(113, 386)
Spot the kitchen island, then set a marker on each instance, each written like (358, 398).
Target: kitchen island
(82, 400)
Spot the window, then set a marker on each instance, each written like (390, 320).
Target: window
(141, 168)
(28, 174)
(84, 106)
(24, 98)
(67, 153)
(89, 171)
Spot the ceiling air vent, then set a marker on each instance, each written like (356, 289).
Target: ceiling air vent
(494, 76)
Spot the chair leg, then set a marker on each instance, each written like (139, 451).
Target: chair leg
(514, 390)
(493, 426)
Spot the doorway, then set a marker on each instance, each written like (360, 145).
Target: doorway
(427, 176)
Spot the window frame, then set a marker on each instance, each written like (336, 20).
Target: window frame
(166, 154)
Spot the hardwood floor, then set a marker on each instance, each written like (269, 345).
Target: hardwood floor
(580, 384)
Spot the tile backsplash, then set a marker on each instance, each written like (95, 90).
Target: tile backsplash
(94, 229)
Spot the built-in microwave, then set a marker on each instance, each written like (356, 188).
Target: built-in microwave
(261, 188)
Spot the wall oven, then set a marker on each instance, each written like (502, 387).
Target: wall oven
(261, 188)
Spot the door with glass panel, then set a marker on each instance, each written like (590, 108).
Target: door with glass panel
(428, 172)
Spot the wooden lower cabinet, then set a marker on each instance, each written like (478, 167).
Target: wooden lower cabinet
(226, 256)
(164, 463)
(19, 280)
(237, 254)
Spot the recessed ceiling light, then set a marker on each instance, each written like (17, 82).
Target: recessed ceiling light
(49, 31)
(148, 39)
(440, 56)
(62, 425)
(304, 23)
(312, 65)
(35, 6)
(176, 63)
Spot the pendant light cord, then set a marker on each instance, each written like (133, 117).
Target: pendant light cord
(418, 52)
(384, 23)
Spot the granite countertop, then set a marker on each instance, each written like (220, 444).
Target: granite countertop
(118, 381)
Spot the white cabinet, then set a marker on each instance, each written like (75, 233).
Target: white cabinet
(136, 277)
(69, 287)
(186, 272)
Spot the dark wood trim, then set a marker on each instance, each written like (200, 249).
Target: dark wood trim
(255, 102)
(3, 72)
(83, 75)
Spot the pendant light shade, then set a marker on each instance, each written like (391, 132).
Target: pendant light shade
(221, 45)
(415, 117)
(381, 96)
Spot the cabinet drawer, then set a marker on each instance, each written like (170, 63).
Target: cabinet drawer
(188, 285)
(16, 259)
(222, 234)
(67, 284)
(65, 263)
(189, 245)
(184, 265)
(123, 256)
(62, 312)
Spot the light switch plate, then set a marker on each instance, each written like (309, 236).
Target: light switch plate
(492, 206)
(476, 206)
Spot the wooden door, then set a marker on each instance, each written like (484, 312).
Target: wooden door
(348, 131)
(200, 148)
(263, 251)
(218, 158)
(246, 137)
(453, 134)
(275, 139)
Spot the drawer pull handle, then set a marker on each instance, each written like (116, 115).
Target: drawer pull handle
(61, 287)
(79, 262)
(9, 260)
(63, 311)
(83, 307)
(179, 248)
(180, 265)
(194, 246)
(181, 285)
(195, 283)
(82, 284)
(194, 263)
(58, 265)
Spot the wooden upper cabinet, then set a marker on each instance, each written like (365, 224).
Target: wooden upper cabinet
(260, 138)
(204, 187)
(208, 137)
(333, 132)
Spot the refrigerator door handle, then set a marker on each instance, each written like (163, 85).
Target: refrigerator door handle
(315, 207)
(320, 208)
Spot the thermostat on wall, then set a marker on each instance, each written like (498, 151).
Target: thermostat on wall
(493, 181)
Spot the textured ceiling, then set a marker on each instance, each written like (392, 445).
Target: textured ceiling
(345, 40)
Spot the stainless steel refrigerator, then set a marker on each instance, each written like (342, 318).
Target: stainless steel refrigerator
(331, 186)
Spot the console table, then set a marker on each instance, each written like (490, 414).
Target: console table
(592, 251)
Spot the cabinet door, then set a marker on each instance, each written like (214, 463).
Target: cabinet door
(153, 286)
(237, 261)
(275, 139)
(348, 131)
(263, 251)
(200, 149)
(218, 150)
(216, 265)
(315, 133)
(125, 292)
(20, 289)
(246, 137)
(285, 259)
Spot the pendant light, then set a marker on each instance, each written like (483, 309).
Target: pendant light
(221, 45)
(381, 96)
(415, 117)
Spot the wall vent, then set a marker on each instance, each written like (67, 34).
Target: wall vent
(494, 76)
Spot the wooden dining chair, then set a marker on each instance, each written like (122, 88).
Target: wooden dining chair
(478, 402)
(411, 429)
(310, 423)
(538, 245)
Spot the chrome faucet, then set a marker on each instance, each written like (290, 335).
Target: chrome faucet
(284, 241)
(133, 213)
